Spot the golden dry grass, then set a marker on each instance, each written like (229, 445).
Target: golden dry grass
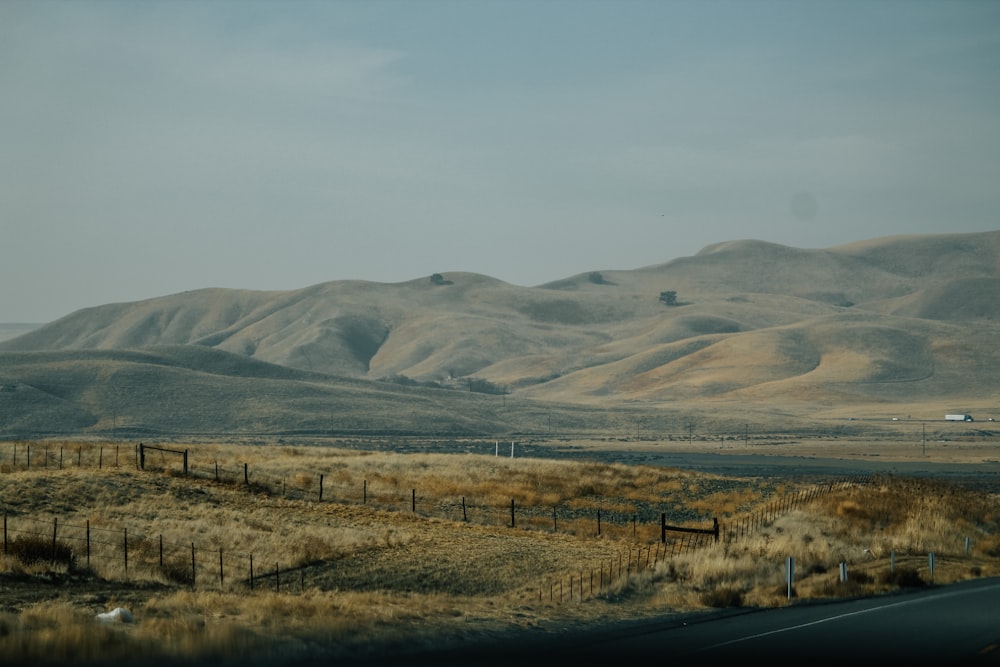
(362, 576)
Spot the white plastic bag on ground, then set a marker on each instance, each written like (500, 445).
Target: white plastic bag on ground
(116, 615)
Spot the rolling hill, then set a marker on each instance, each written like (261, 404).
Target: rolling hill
(757, 332)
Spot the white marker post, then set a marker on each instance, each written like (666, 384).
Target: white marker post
(511, 449)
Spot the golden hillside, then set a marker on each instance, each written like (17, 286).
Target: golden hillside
(899, 325)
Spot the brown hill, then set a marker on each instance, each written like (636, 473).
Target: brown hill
(893, 325)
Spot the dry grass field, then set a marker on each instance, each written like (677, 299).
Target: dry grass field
(408, 552)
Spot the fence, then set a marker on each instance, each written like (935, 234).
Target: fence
(638, 526)
(122, 555)
(676, 540)
(115, 553)
(25, 457)
(319, 487)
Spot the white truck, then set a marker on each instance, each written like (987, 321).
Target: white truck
(958, 418)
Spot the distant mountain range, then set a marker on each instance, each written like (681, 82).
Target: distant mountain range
(744, 331)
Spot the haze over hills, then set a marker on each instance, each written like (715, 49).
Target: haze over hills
(10, 330)
(909, 323)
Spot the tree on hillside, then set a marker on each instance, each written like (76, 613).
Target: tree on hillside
(669, 297)
(438, 279)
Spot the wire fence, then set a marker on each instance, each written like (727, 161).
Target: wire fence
(118, 553)
(390, 495)
(122, 555)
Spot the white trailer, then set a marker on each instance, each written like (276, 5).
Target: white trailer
(958, 418)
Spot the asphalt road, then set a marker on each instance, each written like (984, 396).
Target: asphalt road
(955, 623)
(958, 623)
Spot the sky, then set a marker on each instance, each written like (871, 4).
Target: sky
(149, 148)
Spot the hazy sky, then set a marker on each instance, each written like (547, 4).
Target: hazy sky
(151, 147)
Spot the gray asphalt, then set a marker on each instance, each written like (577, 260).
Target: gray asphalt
(946, 625)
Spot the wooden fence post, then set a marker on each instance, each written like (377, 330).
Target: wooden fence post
(246, 475)
(193, 571)
(185, 462)
(251, 571)
(125, 545)
(511, 512)
(364, 493)
(321, 488)
(413, 500)
(142, 456)
(221, 578)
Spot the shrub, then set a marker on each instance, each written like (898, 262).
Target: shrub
(32, 549)
(905, 577)
(722, 597)
(177, 571)
(990, 545)
(859, 577)
(482, 386)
